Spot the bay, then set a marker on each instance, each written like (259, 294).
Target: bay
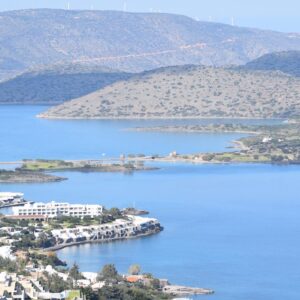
(232, 228)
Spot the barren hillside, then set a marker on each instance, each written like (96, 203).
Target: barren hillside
(190, 92)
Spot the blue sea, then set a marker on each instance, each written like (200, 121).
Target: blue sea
(233, 228)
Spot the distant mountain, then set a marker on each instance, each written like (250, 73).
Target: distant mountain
(130, 42)
(287, 62)
(189, 92)
(58, 83)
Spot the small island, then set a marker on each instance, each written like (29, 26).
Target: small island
(22, 176)
(121, 165)
(36, 171)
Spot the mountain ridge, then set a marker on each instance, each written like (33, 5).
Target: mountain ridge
(57, 83)
(287, 62)
(131, 42)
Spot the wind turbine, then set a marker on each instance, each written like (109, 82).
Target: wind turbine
(232, 21)
(125, 6)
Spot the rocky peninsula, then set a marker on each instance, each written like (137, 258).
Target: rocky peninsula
(278, 144)
(22, 176)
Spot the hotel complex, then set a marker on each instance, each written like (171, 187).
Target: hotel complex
(133, 226)
(54, 210)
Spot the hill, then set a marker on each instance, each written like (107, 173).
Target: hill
(131, 42)
(286, 61)
(57, 83)
(189, 92)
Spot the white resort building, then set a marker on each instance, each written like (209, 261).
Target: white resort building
(54, 209)
(7, 198)
(134, 226)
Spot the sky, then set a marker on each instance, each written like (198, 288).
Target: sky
(280, 15)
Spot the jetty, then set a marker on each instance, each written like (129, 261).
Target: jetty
(183, 291)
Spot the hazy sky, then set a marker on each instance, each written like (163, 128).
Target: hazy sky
(283, 15)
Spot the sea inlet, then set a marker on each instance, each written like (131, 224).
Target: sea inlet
(232, 228)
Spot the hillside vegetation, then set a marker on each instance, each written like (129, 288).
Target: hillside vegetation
(58, 83)
(287, 62)
(131, 42)
(189, 92)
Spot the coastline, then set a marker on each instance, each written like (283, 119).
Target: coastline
(60, 247)
(183, 130)
(42, 116)
(109, 169)
(20, 177)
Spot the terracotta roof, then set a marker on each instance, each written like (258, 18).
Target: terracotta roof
(134, 278)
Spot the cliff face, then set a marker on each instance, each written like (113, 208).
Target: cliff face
(128, 41)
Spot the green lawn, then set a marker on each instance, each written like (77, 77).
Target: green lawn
(73, 295)
(38, 165)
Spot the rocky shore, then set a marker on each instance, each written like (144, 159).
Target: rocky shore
(27, 177)
(134, 212)
(182, 291)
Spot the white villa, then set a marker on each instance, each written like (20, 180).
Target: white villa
(119, 229)
(54, 209)
(7, 198)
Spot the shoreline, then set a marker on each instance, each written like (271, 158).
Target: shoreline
(96, 170)
(182, 130)
(165, 159)
(60, 247)
(25, 177)
(41, 116)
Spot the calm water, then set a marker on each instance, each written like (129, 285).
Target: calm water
(233, 228)
(23, 136)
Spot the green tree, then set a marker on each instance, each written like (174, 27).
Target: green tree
(115, 212)
(108, 274)
(134, 270)
(88, 294)
(54, 283)
(74, 273)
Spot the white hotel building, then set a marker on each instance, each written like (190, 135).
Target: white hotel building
(7, 198)
(54, 209)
